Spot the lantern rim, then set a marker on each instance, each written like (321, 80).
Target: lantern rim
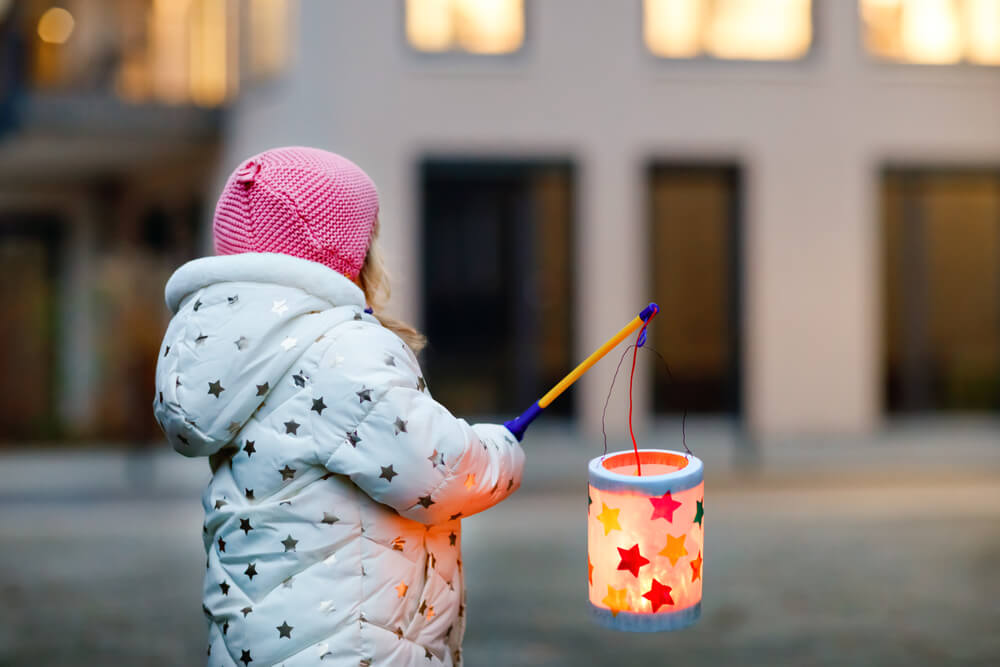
(689, 476)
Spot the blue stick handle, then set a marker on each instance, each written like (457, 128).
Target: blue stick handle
(520, 424)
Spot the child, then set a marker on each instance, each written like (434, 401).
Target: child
(333, 514)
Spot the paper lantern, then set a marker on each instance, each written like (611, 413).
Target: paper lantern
(646, 540)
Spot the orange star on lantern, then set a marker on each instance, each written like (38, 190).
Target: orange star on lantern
(590, 571)
(664, 507)
(696, 568)
(674, 549)
(658, 595)
(402, 588)
(632, 560)
(615, 599)
(609, 518)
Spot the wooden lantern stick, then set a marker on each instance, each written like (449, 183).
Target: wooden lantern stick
(520, 424)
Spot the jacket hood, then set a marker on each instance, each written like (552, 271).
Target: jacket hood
(249, 318)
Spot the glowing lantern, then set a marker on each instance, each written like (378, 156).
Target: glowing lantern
(646, 539)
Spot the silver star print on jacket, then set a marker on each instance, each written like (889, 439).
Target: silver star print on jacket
(324, 430)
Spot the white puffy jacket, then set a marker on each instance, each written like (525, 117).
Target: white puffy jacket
(333, 514)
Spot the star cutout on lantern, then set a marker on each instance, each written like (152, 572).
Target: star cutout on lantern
(242, 343)
(399, 425)
(398, 632)
(245, 611)
(249, 448)
(287, 473)
(285, 630)
(390, 360)
(288, 343)
(663, 507)
(631, 560)
(590, 571)
(430, 612)
(279, 307)
(224, 587)
(251, 571)
(219, 504)
(674, 549)
(436, 458)
(233, 299)
(364, 395)
(401, 589)
(249, 494)
(222, 544)
(352, 437)
(388, 473)
(423, 607)
(357, 317)
(289, 543)
(299, 379)
(262, 389)
(245, 658)
(658, 595)
(183, 439)
(329, 519)
(215, 388)
(425, 501)
(233, 428)
(457, 515)
(200, 339)
(470, 480)
(616, 600)
(421, 384)
(197, 305)
(699, 513)
(287, 582)
(292, 427)
(696, 568)
(166, 351)
(609, 518)
(428, 654)
(510, 484)
(245, 526)
(318, 406)
(452, 537)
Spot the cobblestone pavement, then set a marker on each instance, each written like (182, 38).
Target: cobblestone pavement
(804, 572)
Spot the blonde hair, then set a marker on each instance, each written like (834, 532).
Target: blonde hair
(374, 282)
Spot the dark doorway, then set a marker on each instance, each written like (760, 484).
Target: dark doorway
(497, 288)
(941, 289)
(695, 252)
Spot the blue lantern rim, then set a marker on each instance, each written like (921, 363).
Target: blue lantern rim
(688, 477)
(633, 622)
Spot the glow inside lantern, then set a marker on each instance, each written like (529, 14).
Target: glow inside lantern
(646, 540)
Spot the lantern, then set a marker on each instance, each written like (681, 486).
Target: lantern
(645, 540)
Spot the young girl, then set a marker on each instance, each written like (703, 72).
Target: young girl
(333, 515)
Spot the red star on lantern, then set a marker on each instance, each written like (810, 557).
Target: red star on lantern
(696, 568)
(632, 560)
(590, 571)
(664, 507)
(658, 595)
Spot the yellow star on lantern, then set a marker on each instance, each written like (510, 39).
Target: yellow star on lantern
(674, 549)
(615, 599)
(402, 588)
(470, 480)
(609, 518)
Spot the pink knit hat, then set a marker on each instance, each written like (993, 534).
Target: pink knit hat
(298, 201)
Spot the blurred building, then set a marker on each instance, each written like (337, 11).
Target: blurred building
(810, 190)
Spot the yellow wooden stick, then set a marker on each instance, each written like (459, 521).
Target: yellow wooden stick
(585, 365)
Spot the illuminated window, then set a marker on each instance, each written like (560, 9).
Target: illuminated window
(167, 51)
(728, 29)
(937, 32)
(474, 26)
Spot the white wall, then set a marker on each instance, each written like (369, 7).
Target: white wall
(810, 135)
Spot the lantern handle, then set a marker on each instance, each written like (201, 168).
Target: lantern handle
(519, 424)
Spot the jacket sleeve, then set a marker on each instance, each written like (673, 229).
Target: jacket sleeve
(410, 453)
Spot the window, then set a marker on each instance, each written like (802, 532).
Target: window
(168, 51)
(933, 31)
(728, 29)
(473, 26)
(941, 288)
(695, 251)
(497, 239)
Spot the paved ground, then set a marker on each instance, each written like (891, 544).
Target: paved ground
(803, 567)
